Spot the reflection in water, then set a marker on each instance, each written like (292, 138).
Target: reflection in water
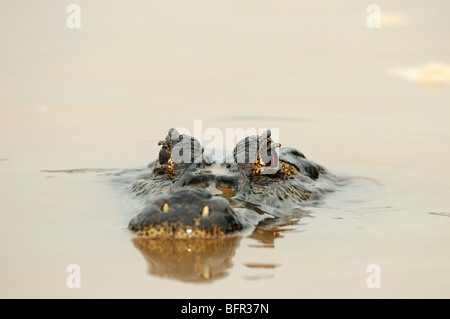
(270, 229)
(262, 265)
(203, 260)
(189, 260)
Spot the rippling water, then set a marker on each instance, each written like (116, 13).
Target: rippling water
(76, 106)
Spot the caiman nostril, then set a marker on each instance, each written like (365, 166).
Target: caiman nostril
(165, 208)
(205, 211)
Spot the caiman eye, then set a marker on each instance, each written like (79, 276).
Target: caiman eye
(164, 156)
(269, 156)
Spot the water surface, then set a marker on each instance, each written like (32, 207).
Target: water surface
(76, 105)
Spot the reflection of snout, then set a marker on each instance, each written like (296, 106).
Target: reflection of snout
(191, 260)
(187, 213)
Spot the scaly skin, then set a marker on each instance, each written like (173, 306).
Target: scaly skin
(189, 196)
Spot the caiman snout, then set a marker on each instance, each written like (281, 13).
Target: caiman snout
(187, 213)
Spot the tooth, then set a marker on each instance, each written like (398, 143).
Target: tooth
(205, 211)
(206, 273)
(165, 208)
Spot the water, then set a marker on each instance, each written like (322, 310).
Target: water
(77, 104)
